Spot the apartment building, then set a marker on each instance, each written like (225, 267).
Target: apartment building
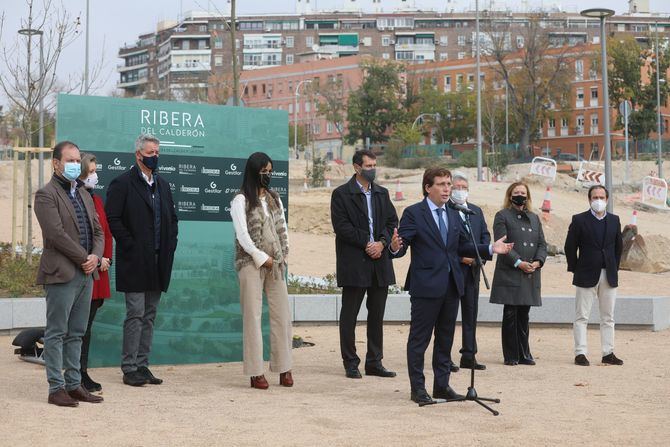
(180, 56)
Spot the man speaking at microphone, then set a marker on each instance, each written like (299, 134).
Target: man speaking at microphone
(435, 279)
(470, 269)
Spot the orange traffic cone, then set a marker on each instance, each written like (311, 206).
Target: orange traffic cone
(398, 191)
(327, 182)
(633, 220)
(304, 184)
(546, 204)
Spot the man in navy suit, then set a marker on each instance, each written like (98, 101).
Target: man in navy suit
(470, 268)
(434, 280)
(593, 250)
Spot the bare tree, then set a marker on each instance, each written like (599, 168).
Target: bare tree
(332, 105)
(537, 70)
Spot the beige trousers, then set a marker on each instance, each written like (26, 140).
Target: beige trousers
(606, 296)
(252, 284)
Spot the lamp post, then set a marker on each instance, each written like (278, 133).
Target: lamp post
(35, 32)
(295, 113)
(602, 14)
(86, 81)
(658, 108)
(480, 161)
(436, 116)
(507, 114)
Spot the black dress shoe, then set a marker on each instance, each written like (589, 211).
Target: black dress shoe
(151, 379)
(511, 362)
(611, 359)
(353, 373)
(421, 397)
(89, 383)
(472, 364)
(134, 378)
(379, 371)
(530, 362)
(581, 360)
(446, 393)
(452, 367)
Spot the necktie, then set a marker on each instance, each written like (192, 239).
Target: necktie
(442, 225)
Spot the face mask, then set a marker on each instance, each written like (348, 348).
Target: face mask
(599, 205)
(459, 195)
(265, 180)
(150, 162)
(72, 171)
(369, 174)
(519, 200)
(91, 181)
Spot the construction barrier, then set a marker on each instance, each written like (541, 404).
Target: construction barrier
(545, 167)
(655, 192)
(590, 174)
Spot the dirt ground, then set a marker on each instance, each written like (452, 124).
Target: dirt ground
(553, 403)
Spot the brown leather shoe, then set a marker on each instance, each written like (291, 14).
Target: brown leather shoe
(286, 379)
(83, 395)
(62, 399)
(259, 382)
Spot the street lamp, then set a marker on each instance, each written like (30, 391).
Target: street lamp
(436, 116)
(602, 14)
(35, 32)
(295, 113)
(480, 161)
(658, 108)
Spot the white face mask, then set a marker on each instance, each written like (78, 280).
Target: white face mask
(598, 205)
(459, 196)
(91, 181)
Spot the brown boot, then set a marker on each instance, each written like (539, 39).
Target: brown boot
(83, 395)
(286, 379)
(62, 399)
(259, 382)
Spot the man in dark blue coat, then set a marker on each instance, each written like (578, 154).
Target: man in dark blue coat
(434, 280)
(470, 269)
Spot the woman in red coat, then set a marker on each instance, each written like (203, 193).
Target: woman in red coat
(101, 289)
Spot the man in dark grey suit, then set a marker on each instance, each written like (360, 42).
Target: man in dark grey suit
(73, 245)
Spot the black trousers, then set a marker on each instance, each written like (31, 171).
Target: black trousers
(469, 310)
(352, 298)
(430, 315)
(515, 333)
(86, 339)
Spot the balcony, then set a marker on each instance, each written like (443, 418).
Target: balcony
(415, 47)
(122, 68)
(132, 83)
(565, 131)
(190, 66)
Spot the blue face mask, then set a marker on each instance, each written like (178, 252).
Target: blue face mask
(72, 171)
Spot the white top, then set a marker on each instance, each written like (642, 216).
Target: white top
(146, 178)
(239, 215)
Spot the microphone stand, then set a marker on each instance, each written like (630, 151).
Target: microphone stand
(471, 395)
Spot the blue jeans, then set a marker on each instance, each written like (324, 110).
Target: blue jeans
(68, 306)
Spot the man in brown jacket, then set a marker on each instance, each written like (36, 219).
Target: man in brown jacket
(73, 244)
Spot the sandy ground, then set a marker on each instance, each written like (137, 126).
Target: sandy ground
(553, 403)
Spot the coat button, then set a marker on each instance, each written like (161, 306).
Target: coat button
(531, 244)
(518, 216)
(523, 229)
(525, 244)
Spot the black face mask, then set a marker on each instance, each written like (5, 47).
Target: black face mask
(265, 180)
(519, 200)
(150, 162)
(369, 174)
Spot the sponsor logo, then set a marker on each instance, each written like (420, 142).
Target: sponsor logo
(189, 189)
(98, 166)
(186, 206)
(166, 169)
(99, 186)
(117, 162)
(210, 208)
(175, 124)
(279, 174)
(232, 190)
(233, 170)
(208, 171)
(187, 169)
(173, 187)
(212, 189)
(116, 166)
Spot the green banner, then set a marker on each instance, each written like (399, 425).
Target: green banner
(203, 151)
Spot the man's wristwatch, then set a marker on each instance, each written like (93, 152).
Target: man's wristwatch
(99, 262)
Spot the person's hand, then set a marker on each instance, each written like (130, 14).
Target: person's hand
(396, 241)
(467, 261)
(526, 267)
(90, 265)
(268, 263)
(536, 265)
(104, 264)
(502, 248)
(374, 249)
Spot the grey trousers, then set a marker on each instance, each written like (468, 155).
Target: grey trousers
(138, 329)
(68, 306)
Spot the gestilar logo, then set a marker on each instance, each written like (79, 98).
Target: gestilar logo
(212, 189)
(116, 165)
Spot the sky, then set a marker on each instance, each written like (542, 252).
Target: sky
(116, 22)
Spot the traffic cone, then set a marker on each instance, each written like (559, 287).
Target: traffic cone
(327, 182)
(546, 204)
(304, 185)
(398, 191)
(633, 220)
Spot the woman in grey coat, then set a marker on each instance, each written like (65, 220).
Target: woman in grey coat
(516, 281)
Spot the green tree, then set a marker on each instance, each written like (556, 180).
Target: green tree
(333, 107)
(376, 106)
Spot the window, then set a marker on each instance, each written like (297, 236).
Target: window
(404, 40)
(289, 41)
(471, 78)
(461, 41)
(202, 28)
(404, 55)
(289, 59)
(290, 109)
(444, 56)
(579, 70)
(580, 98)
(386, 40)
(202, 44)
(594, 151)
(218, 43)
(594, 95)
(444, 40)
(290, 86)
(386, 56)
(309, 41)
(519, 41)
(316, 128)
(367, 41)
(594, 124)
(329, 127)
(552, 123)
(447, 83)
(459, 82)
(308, 107)
(461, 55)
(218, 61)
(580, 125)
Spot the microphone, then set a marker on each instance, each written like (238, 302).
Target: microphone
(463, 209)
